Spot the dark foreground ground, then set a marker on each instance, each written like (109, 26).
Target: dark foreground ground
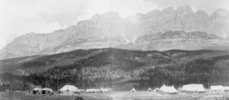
(120, 96)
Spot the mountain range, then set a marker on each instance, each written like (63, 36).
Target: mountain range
(166, 29)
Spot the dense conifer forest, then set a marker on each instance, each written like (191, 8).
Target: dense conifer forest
(116, 68)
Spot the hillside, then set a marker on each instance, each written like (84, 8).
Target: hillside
(139, 32)
(117, 68)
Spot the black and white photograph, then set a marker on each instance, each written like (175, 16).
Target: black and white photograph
(114, 49)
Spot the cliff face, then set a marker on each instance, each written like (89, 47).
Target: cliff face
(186, 20)
(156, 30)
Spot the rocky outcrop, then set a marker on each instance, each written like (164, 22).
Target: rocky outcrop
(165, 29)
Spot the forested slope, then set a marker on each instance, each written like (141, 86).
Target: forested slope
(117, 68)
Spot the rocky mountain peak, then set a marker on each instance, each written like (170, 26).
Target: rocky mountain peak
(202, 18)
(71, 27)
(168, 10)
(220, 15)
(96, 17)
(221, 12)
(184, 10)
(110, 16)
(202, 14)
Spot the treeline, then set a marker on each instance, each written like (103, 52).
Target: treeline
(123, 69)
(14, 83)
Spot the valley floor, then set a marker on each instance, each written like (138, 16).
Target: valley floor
(139, 95)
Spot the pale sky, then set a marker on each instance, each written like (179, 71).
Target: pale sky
(18, 17)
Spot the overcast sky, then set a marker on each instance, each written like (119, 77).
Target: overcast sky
(18, 17)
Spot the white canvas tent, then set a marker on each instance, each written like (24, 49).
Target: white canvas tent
(217, 88)
(82, 90)
(46, 91)
(226, 88)
(168, 89)
(149, 89)
(69, 90)
(193, 88)
(105, 89)
(37, 90)
(90, 90)
(97, 90)
(156, 89)
(133, 90)
(201, 89)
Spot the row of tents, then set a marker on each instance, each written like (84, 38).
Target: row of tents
(189, 88)
(219, 88)
(98, 90)
(68, 90)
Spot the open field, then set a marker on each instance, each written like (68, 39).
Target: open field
(140, 95)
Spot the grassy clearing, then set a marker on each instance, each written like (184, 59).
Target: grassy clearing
(21, 96)
(139, 95)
